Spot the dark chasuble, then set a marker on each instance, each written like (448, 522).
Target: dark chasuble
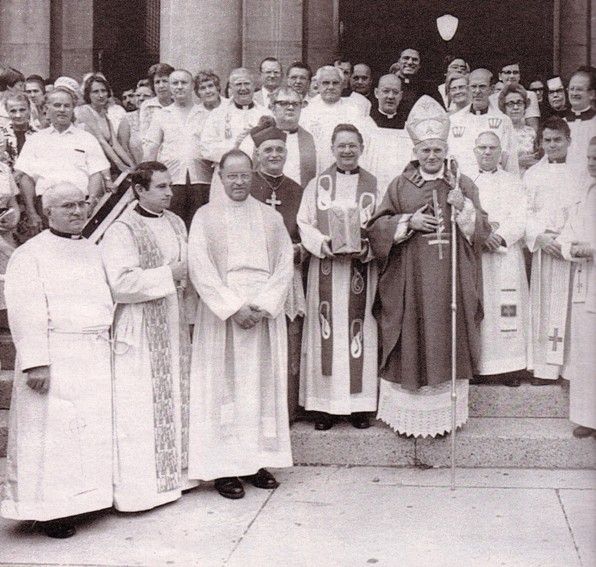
(413, 303)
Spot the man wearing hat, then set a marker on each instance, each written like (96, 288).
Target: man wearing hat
(272, 187)
(411, 236)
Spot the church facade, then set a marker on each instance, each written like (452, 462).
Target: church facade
(123, 37)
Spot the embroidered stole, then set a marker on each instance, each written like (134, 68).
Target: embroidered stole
(366, 199)
(157, 331)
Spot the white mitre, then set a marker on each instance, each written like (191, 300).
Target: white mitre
(427, 120)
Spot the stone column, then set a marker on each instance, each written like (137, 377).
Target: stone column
(202, 34)
(575, 48)
(72, 38)
(272, 28)
(322, 32)
(25, 35)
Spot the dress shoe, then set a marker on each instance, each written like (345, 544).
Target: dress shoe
(580, 432)
(229, 487)
(359, 420)
(323, 421)
(262, 479)
(58, 530)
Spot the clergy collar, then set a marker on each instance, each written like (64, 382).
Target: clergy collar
(292, 131)
(432, 176)
(354, 171)
(66, 234)
(243, 106)
(390, 116)
(586, 114)
(272, 177)
(478, 112)
(556, 160)
(146, 213)
(488, 171)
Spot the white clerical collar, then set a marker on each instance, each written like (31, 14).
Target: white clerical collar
(147, 213)
(390, 116)
(580, 112)
(432, 176)
(354, 171)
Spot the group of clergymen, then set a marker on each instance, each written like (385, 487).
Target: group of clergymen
(115, 403)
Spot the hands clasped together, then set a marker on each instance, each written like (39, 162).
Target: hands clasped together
(249, 315)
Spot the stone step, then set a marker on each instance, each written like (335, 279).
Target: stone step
(485, 400)
(482, 442)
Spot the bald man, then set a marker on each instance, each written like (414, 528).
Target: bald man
(481, 116)
(361, 81)
(174, 135)
(60, 426)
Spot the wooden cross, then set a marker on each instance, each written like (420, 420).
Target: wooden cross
(555, 338)
(273, 201)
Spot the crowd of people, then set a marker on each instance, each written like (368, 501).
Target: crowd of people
(297, 234)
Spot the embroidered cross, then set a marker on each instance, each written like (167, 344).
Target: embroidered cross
(273, 201)
(439, 240)
(555, 338)
(579, 285)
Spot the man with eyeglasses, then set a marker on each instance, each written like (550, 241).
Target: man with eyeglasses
(61, 152)
(301, 162)
(581, 117)
(557, 103)
(510, 74)
(339, 362)
(60, 424)
(241, 264)
(271, 76)
(390, 146)
(144, 253)
(479, 116)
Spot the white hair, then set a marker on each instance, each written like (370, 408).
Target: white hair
(54, 193)
(326, 68)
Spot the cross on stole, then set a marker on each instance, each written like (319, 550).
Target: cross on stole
(439, 239)
(273, 201)
(579, 285)
(555, 338)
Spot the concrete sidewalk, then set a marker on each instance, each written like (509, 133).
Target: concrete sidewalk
(338, 516)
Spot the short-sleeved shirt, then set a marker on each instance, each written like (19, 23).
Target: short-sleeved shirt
(49, 157)
(178, 142)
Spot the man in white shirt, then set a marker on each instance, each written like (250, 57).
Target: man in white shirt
(61, 152)
(174, 135)
(271, 75)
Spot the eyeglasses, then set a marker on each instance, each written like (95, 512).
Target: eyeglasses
(514, 103)
(537, 89)
(287, 103)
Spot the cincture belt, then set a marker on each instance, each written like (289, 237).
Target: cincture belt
(101, 332)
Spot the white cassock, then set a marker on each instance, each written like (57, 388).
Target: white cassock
(580, 366)
(552, 190)
(389, 151)
(503, 331)
(583, 128)
(60, 443)
(320, 119)
(465, 126)
(221, 130)
(332, 393)
(239, 252)
(148, 426)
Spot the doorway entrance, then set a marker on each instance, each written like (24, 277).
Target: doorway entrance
(374, 32)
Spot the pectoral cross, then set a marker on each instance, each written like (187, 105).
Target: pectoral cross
(555, 339)
(273, 201)
(439, 240)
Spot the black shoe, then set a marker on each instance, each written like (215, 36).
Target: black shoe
(359, 420)
(323, 421)
(229, 487)
(581, 432)
(262, 479)
(58, 530)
